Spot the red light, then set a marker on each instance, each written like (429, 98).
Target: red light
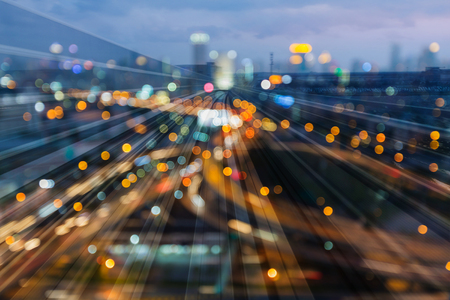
(392, 172)
(209, 87)
(313, 275)
(242, 175)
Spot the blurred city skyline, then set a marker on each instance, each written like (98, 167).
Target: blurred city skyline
(224, 150)
(353, 33)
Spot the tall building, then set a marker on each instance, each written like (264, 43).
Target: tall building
(395, 58)
(356, 66)
(199, 41)
(224, 72)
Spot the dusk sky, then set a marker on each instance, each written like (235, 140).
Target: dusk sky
(349, 30)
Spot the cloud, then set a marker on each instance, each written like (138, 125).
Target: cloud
(348, 28)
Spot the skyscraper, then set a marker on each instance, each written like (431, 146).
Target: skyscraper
(199, 41)
(395, 58)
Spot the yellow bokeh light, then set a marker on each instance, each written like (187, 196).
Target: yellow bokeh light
(226, 128)
(20, 197)
(106, 115)
(285, 124)
(82, 165)
(244, 104)
(435, 135)
(275, 79)
(251, 108)
(237, 103)
(245, 115)
(381, 137)
(51, 114)
(328, 211)
(355, 141)
(59, 112)
(309, 127)
(329, 138)
(272, 273)
(173, 136)
(126, 183)
(257, 123)
(116, 95)
(434, 145)
(434, 47)
(81, 105)
(162, 167)
(105, 155)
(227, 171)
(379, 149)
(335, 130)
(433, 167)
(300, 48)
(109, 263)
(363, 135)
(206, 154)
(125, 94)
(126, 147)
(264, 191)
(398, 157)
(295, 59)
(422, 229)
(77, 206)
(9, 240)
(447, 266)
